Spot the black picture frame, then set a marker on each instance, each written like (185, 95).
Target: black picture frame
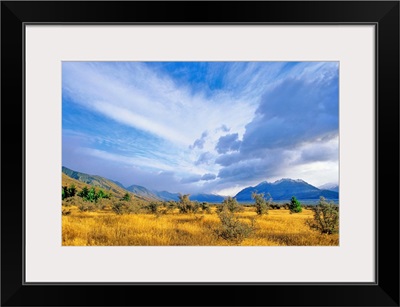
(383, 14)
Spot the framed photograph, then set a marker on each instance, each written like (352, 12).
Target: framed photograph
(244, 148)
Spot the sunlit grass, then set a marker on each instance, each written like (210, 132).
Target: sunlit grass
(105, 228)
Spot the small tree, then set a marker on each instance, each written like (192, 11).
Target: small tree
(71, 190)
(91, 196)
(68, 192)
(295, 206)
(84, 192)
(101, 194)
(326, 217)
(262, 206)
(64, 193)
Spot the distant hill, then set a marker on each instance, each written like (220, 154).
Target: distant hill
(330, 187)
(118, 184)
(68, 181)
(142, 191)
(164, 195)
(284, 189)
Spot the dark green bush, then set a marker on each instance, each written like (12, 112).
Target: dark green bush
(295, 206)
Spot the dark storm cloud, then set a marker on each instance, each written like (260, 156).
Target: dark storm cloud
(228, 159)
(294, 112)
(293, 125)
(268, 165)
(229, 142)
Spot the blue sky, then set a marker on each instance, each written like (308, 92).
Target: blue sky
(193, 127)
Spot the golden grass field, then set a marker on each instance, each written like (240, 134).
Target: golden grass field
(105, 228)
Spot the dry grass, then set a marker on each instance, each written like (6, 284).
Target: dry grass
(103, 227)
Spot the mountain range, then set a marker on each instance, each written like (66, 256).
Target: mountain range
(281, 190)
(284, 189)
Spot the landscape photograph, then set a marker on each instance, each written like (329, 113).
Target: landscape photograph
(217, 153)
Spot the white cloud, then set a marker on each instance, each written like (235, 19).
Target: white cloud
(134, 95)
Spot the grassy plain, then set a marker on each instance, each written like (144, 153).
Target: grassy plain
(105, 228)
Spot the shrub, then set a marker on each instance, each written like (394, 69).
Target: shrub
(285, 206)
(231, 228)
(120, 208)
(275, 206)
(72, 201)
(86, 206)
(185, 205)
(169, 205)
(152, 207)
(66, 212)
(326, 217)
(134, 207)
(262, 206)
(205, 207)
(126, 197)
(195, 206)
(295, 206)
(231, 205)
(102, 203)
